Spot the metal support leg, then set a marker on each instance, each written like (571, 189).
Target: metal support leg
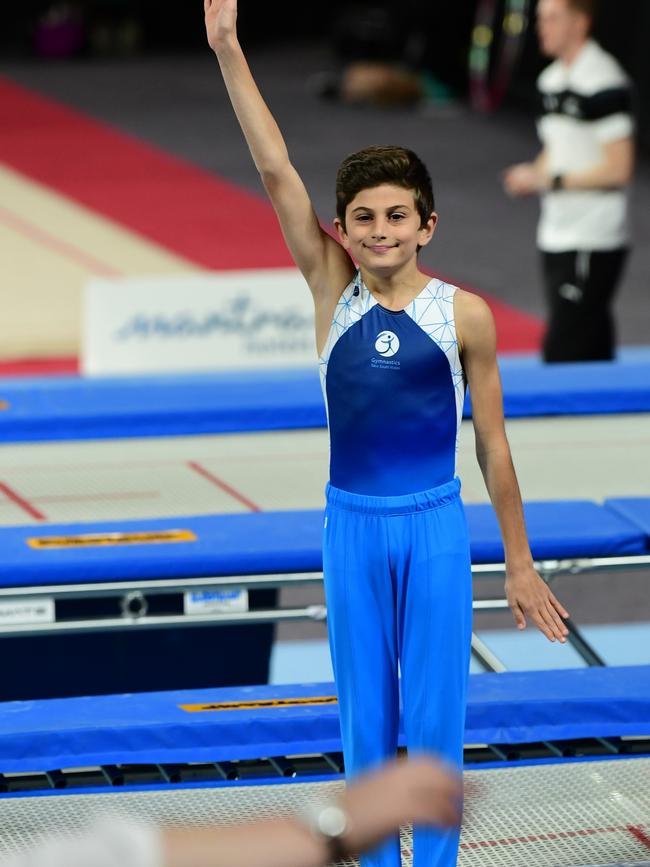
(484, 655)
(582, 646)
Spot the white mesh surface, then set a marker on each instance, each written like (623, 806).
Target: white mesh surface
(574, 813)
(546, 816)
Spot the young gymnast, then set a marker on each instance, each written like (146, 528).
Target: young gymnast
(396, 349)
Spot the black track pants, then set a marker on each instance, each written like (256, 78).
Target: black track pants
(580, 288)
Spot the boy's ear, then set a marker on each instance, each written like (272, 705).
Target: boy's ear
(426, 232)
(340, 229)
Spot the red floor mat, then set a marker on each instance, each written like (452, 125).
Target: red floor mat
(57, 366)
(167, 200)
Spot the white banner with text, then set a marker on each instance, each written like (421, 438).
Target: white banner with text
(232, 320)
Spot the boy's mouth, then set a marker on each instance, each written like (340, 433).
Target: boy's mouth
(380, 248)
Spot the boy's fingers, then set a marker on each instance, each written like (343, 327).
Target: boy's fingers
(546, 621)
(518, 614)
(553, 625)
(560, 628)
(537, 614)
(558, 605)
(555, 612)
(542, 625)
(554, 628)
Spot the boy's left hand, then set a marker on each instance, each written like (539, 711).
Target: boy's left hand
(530, 596)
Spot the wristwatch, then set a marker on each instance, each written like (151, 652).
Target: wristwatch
(557, 183)
(329, 822)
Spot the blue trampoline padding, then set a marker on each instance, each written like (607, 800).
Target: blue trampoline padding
(557, 529)
(237, 544)
(275, 542)
(514, 707)
(75, 408)
(636, 510)
(597, 387)
(71, 407)
(520, 707)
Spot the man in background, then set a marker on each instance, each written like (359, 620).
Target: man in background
(581, 173)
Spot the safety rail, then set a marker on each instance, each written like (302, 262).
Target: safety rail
(133, 595)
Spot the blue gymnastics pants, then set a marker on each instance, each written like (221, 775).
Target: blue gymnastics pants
(398, 588)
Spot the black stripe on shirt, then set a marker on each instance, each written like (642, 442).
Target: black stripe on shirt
(594, 107)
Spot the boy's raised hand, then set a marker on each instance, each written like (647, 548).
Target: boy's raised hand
(220, 21)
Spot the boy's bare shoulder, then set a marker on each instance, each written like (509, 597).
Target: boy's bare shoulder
(471, 311)
(475, 329)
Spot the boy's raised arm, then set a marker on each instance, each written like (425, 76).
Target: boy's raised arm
(323, 262)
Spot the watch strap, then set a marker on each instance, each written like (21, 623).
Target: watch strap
(329, 822)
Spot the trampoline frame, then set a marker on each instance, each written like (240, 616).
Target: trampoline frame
(133, 595)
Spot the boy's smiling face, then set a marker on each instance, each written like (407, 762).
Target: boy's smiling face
(383, 227)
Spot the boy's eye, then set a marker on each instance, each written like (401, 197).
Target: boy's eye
(363, 218)
(397, 216)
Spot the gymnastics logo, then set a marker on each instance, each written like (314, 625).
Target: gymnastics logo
(387, 344)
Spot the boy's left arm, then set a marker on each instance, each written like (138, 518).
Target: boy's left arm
(528, 595)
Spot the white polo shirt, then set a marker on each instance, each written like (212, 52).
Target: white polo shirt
(584, 106)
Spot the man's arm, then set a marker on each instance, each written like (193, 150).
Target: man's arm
(615, 170)
(323, 262)
(528, 595)
(524, 179)
(420, 790)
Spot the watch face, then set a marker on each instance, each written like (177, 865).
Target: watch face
(332, 821)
